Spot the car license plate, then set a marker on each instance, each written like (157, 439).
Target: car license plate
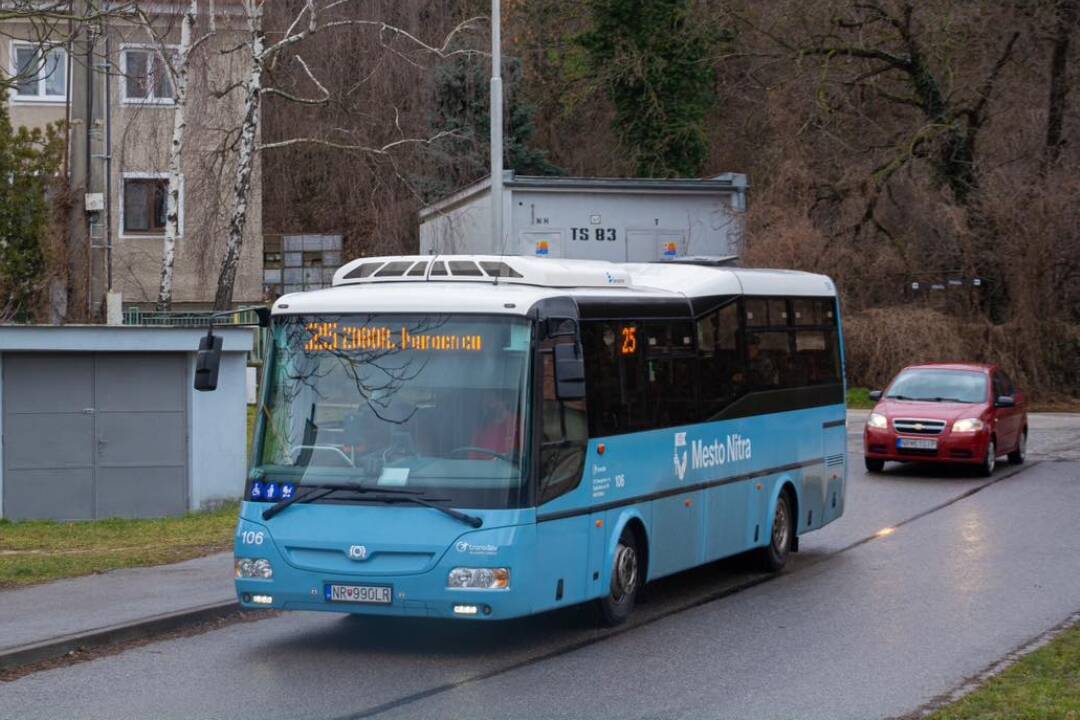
(916, 443)
(370, 594)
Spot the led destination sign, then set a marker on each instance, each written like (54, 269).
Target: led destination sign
(333, 337)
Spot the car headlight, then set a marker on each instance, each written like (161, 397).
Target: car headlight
(465, 578)
(877, 420)
(967, 425)
(254, 569)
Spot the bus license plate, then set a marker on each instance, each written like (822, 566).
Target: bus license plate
(370, 594)
(917, 443)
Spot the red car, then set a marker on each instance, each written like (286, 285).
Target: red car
(947, 413)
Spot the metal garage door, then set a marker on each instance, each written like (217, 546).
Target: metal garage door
(94, 435)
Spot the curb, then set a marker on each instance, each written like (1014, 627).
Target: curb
(141, 629)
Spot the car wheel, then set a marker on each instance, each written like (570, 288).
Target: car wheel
(774, 556)
(986, 469)
(617, 605)
(1017, 456)
(874, 466)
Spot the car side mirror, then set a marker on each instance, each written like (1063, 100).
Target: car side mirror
(1005, 401)
(875, 395)
(569, 372)
(208, 362)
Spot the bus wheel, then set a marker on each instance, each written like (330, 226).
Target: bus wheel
(774, 556)
(616, 606)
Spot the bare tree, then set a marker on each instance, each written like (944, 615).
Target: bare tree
(1067, 11)
(262, 56)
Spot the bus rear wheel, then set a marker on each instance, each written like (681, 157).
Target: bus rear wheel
(774, 556)
(617, 605)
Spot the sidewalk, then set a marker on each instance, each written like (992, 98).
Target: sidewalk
(46, 621)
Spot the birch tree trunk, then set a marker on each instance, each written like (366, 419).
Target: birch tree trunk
(245, 161)
(177, 68)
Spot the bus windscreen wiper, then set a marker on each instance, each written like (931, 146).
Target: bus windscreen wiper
(456, 514)
(315, 491)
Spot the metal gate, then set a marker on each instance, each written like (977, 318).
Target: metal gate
(94, 435)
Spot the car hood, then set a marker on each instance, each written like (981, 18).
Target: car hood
(929, 410)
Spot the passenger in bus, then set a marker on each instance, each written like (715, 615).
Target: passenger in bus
(763, 371)
(498, 431)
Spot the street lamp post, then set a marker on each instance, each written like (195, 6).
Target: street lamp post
(496, 127)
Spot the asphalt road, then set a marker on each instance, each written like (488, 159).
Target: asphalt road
(863, 625)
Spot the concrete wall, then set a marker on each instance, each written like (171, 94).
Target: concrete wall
(462, 229)
(218, 446)
(590, 224)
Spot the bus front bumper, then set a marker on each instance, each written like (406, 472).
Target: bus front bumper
(415, 596)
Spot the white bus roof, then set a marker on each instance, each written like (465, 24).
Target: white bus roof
(513, 284)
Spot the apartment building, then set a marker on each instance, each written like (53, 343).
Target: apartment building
(108, 83)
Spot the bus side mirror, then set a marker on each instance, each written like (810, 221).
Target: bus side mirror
(569, 372)
(207, 362)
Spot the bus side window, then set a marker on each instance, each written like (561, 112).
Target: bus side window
(670, 374)
(722, 374)
(564, 436)
(770, 360)
(614, 375)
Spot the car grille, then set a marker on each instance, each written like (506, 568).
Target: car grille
(919, 427)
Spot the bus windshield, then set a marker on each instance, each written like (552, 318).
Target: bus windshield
(429, 403)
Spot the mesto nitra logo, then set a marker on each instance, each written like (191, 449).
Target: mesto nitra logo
(733, 448)
(680, 462)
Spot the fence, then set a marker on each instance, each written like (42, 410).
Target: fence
(201, 319)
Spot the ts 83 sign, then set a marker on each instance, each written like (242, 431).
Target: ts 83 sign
(599, 234)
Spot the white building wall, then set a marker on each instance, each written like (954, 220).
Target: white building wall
(463, 229)
(217, 424)
(624, 227)
(621, 226)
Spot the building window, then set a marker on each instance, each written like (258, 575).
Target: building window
(144, 204)
(41, 73)
(146, 79)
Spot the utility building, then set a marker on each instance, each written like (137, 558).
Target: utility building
(617, 219)
(102, 422)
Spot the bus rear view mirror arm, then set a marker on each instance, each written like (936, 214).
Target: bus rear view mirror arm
(569, 372)
(208, 361)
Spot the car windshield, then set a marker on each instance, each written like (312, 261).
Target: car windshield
(431, 403)
(939, 386)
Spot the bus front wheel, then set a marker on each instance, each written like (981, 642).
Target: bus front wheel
(774, 556)
(617, 605)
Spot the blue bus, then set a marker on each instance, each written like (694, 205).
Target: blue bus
(488, 437)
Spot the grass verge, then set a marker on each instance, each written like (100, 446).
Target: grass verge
(1044, 684)
(859, 399)
(36, 551)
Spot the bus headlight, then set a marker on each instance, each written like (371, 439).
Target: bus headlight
(877, 420)
(254, 569)
(967, 425)
(465, 578)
